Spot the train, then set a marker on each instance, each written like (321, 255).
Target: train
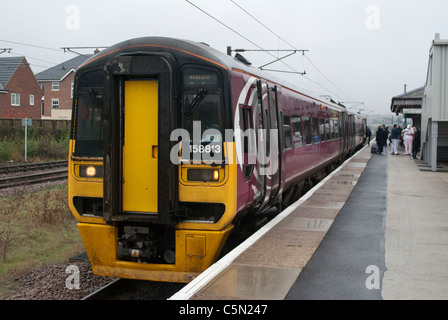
(174, 143)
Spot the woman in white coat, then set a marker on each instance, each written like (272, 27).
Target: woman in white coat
(408, 135)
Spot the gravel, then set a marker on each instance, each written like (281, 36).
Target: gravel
(49, 283)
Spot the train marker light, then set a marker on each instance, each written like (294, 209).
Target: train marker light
(203, 175)
(215, 175)
(90, 171)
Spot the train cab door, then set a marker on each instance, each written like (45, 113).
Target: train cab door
(139, 178)
(140, 146)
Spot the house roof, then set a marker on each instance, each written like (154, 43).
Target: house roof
(7, 68)
(58, 72)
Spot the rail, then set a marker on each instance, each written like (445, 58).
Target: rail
(28, 174)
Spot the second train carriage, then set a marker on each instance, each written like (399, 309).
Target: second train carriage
(173, 142)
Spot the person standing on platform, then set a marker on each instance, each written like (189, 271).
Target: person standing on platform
(368, 135)
(416, 142)
(408, 135)
(395, 137)
(386, 130)
(381, 139)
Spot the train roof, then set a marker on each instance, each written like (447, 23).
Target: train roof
(190, 49)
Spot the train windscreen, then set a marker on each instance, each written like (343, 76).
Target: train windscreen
(88, 115)
(202, 109)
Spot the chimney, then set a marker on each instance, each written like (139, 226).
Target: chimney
(437, 36)
(405, 88)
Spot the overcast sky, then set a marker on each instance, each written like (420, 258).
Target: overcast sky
(359, 51)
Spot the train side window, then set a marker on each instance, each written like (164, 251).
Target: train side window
(268, 133)
(327, 129)
(341, 129)
(332, 128)
(322, 129)
(297, 127)
(287, 131)
(307, 130)
(315, 130)
(246, 123)
(336, 128)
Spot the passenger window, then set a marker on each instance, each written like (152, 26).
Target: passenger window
(297, 127)
(268, 133)
(315, 130)
(246, 123)
(336, 128)
(322, 130)
(327, 129)
(307, 129)
(287, 131)
(332, 128)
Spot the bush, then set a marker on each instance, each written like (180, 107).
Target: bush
(43, 144)
(6, 147)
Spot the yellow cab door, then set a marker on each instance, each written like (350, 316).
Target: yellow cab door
(140, 149)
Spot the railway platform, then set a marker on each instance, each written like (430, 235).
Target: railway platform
(376, 228)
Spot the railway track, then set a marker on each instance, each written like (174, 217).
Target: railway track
(28, 174)
(125, 289)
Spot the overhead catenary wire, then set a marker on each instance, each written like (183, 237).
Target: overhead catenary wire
(262, 49)
(30, 45)
(238, 33)
(29, 57)
(292, 46)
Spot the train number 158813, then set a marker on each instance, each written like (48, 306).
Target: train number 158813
(215, 148)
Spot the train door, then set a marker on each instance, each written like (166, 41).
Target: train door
(139, 178)
(352, 132)
(140, 147)
(345, 130)
(270, 157)
(274, 146)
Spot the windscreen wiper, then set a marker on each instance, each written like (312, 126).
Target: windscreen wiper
(96, 101)
(196, 101)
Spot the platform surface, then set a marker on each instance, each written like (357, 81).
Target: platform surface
(376, 229)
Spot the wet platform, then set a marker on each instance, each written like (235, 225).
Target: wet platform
(376, 228)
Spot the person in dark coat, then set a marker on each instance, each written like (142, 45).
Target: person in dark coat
(416, 142)
(368, 135)
(395, 137)
(381, 139)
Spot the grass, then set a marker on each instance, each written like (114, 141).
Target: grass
(36, 229)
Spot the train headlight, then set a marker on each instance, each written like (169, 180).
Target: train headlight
(203, 175)
(90, 171)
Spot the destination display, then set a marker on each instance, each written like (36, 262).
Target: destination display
(201, 79)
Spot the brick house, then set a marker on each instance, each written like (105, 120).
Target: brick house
(20, 94)
(57, 85)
